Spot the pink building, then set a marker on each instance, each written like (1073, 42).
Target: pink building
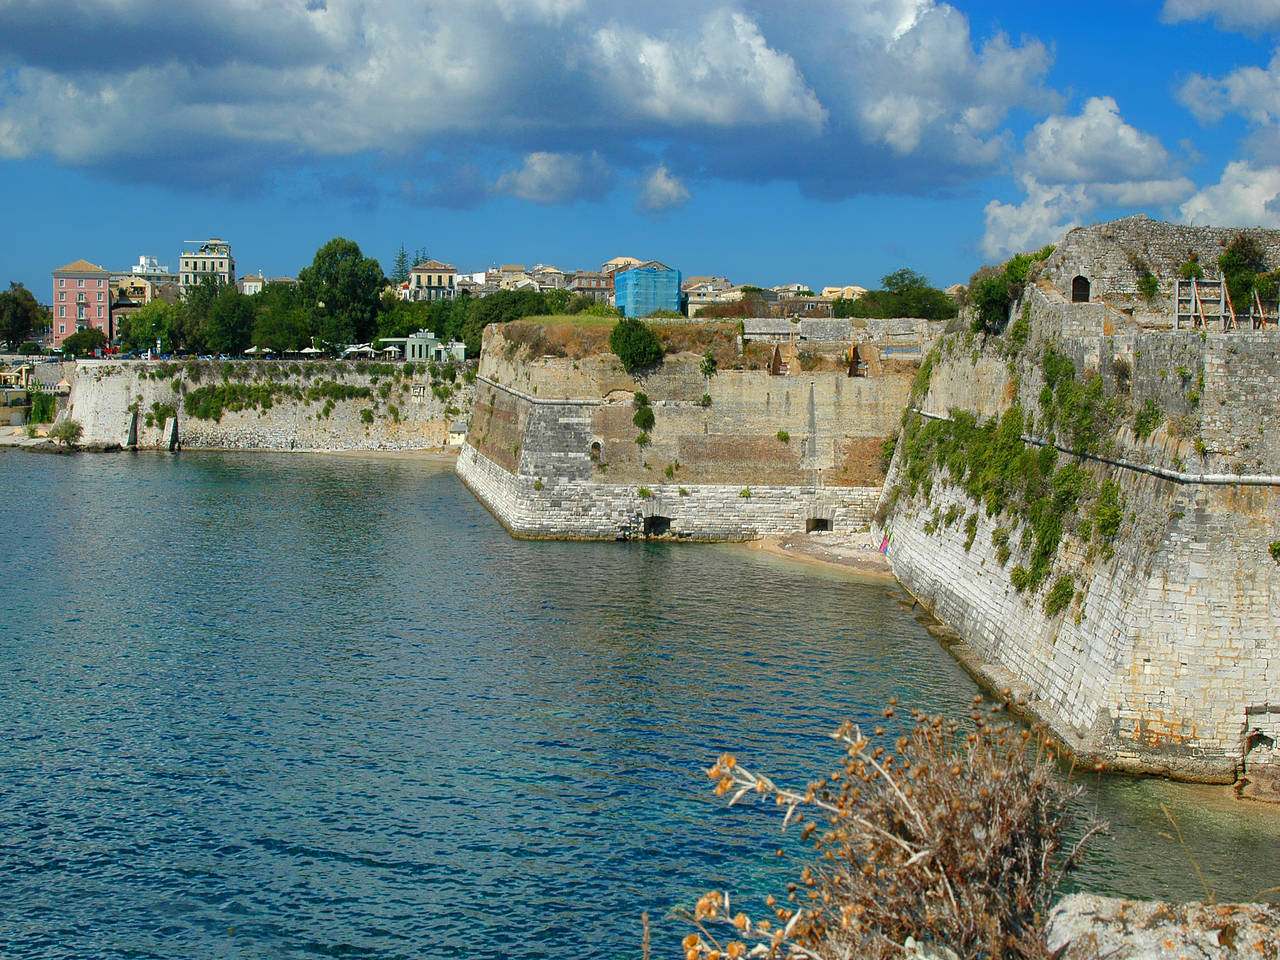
(81, 299)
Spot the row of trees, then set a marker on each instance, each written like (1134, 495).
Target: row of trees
(337, 300)
(340, 298)
(904, 293)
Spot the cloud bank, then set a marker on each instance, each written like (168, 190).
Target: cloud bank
(545, 100)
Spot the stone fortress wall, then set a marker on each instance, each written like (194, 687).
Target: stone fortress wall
(1111, 255)
(552, 448)
(111, 399)
(1168, 658)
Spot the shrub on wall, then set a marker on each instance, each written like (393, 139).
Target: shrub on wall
(635, 344)
(644, 419)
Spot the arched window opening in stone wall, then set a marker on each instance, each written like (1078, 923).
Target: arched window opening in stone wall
(1080, 290)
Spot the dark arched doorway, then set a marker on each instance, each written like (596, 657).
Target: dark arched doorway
(1080, 290)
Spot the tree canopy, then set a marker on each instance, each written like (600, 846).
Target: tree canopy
(84, 342)
(635, 344)
(904, 293)
(341, 291)
(153, 321)
(20, 314)
(1243, 265)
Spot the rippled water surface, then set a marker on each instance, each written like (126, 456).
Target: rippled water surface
(289, 706)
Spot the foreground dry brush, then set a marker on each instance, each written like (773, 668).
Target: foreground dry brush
(953, 839)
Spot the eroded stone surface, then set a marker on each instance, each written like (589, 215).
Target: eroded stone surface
(1088, 927)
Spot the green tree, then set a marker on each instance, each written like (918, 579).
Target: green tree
(501, 307)
(904, 293)
(228, 326)
(635, 344)
(190, 325)
(154, 321)
(280, 322)
(1241, 263)
(84, 342)
(902, 280)
(67, 432)
(341, 291)
(20, 314)
(400, 267)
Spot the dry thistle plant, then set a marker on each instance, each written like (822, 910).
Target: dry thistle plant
(954, 839)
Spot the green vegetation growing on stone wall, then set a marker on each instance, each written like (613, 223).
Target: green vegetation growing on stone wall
(44, 407)
(210, 402)
(1011, 479)
(1060, 595)
(1024, 484)
(994, 290)
(1241, 263)
(159, 414)
(1078, 412)
(1147, 419)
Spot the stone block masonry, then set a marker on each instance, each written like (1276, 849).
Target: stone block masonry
(127, 403)
(1166, 659)
(563, 508)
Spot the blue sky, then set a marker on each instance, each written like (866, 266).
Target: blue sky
(816, 141)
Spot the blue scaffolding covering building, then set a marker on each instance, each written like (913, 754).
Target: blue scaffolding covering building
(651, 286)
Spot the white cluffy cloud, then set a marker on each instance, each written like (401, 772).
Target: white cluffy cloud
(1247, 195)
(1252, 92)
(726, 74)
(1075, 165)
(557, 178)
(1247, 16)
(888, 96)
(661, 191)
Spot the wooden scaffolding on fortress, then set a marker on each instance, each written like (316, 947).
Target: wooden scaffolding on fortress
(1206, 304)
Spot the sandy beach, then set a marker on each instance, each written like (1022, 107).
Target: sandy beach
(858, 553)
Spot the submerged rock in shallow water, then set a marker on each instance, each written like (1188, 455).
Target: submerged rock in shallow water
(1085, 926)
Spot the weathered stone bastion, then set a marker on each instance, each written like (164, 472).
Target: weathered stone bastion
(1111, 258)
(1163, 653)
(741, 454)
(313, 405)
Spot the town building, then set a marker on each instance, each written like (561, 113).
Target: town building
(700, 292)
(150, 268)
(850, 292)
(251, 283)
(640, 291)
(618, 264)
(432, 280)
(425, 346)
(212, 258)
(81, 299)
(548, 277)
(592, 283)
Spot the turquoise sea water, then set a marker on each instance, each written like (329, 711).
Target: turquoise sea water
(291, 706)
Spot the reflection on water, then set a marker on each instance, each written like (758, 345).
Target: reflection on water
(290, 706)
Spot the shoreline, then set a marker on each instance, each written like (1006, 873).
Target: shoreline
(855, 553)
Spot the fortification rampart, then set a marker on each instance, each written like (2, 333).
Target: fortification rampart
(553, 451)
(1162, 652)
(561, 508)
(1112, 258)
(741, 427)
(266, 405)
